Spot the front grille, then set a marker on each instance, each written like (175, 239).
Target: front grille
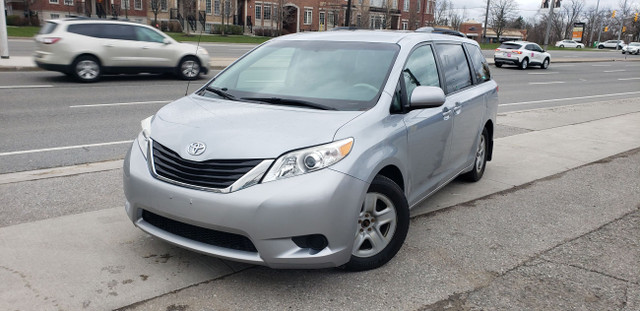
(216, 174)
(199, 234)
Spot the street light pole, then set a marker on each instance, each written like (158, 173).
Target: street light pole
(592, 24)
(486, 25)
(549, 21)
(624, 7)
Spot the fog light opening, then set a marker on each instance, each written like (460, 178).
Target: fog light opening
(316, 242)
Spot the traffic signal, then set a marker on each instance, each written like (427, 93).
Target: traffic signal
(613, 15)
(635, 19)
(624, 28)
(606, 28)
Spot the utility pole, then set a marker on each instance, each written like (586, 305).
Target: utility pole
(486, 25)
(624, 8)
(549, 21)
(592, 25)
(347, 17)
(4, 42)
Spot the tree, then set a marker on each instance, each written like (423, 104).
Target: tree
(440, 14)
(570, 13)
(500, 12)
(155, 9)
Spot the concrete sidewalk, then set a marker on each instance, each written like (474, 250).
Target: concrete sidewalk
(98, 260)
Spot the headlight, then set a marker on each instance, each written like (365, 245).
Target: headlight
(145, 134)
(308, 160)
(202, 50)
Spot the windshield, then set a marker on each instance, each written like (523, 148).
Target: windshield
(329, 74)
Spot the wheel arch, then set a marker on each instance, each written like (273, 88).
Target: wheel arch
(489, 127)
(100, 62)
(393, 172)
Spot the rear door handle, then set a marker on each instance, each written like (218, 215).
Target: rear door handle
(109, 45)
(457, 109)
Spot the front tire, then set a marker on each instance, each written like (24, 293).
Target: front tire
(498, 65)
(480, 160)
(382, 225)
(86, 69)
(562, 46)
(524, 64)
(545, 64)
(189, 68)
(601, 47)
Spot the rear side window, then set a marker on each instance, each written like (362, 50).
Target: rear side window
(480, 66)
(91, 30)
(48, 28)
(456, 68)
(510, 46)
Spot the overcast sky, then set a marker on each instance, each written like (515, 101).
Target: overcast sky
(475, 9)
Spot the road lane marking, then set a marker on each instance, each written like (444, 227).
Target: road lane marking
(617, 70)
(601, 65)
(627, 79)
(2, 154)
(545, 83)
(542, 73)
(122, 104)
(568, 98)
(25, 86)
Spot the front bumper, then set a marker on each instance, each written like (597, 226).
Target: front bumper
(325, 202)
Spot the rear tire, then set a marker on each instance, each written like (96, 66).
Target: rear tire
(382, 226)
(561, 45)
(498, 65)
(524, 64)
(86, 69)
(480, 160)
(601, 47)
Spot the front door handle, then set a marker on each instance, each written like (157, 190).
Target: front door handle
(446, 113)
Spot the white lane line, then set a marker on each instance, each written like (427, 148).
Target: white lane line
(545, 83)
(25, 86)
(561, 66)
(64, 148)
(121, 104)
(601, 65)
(627, 79)
(617, 70)
(542, 73)
(569, 98)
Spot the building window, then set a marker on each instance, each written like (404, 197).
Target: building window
(266, 11)
(405, 6)
(54, 2)
(322, 21)
(274, 12)
(137, 4)
(227, 8)
(332, 20)
(394, 4)
(359, 21)
(163, 5)
(308, 14)
(258, 10)
(68, 2)
(419, 5)
(55, 16)
(207, 7)
(405, 25)
(207, 27)
(216, 7)
(125, 4)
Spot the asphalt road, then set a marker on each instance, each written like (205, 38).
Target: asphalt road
(48, 120)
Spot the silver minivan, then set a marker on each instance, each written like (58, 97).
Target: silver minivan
(310, 150)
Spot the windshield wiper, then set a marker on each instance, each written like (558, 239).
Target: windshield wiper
(222, 92)
(289, 102)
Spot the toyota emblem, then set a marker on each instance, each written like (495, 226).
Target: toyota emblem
(196, 149)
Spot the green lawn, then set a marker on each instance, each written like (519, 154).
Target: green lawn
(23, 31)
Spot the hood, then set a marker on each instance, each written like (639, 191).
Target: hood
(238, 130)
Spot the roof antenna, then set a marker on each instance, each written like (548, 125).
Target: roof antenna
(197, 48)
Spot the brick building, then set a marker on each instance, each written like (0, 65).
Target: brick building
(285, 15)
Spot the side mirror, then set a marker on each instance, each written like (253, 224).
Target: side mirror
(426, 97)
(166, 41)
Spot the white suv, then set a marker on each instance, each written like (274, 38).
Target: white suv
(612, 44)
(86, 49)
(521, 54)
